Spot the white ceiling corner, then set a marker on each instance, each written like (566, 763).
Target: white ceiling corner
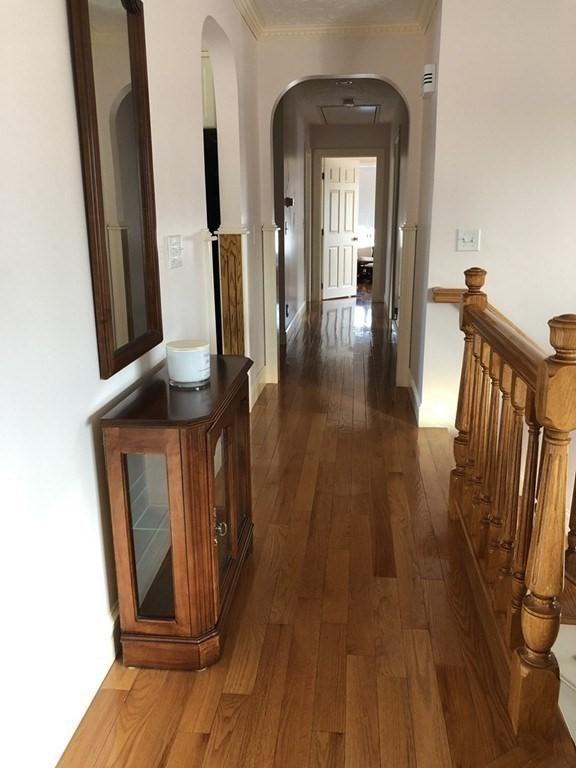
(251, 16)
(426, 12)
(295, 18)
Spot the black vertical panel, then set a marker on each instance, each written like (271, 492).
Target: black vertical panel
(212, 181)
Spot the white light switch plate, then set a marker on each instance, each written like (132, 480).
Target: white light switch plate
(174, 251)
(467, 239)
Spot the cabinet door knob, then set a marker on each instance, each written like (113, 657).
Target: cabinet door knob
(221, 529)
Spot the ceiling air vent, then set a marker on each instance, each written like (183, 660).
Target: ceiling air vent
(429, 79)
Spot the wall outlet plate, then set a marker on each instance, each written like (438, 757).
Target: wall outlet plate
(467, 239)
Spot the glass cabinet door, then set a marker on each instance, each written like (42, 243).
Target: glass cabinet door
(149, 530)
(243, 464)
(222, 502)
(151, 535)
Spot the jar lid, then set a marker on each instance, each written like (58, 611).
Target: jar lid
(186, 345)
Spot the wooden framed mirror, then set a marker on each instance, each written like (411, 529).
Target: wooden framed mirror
(109, 62)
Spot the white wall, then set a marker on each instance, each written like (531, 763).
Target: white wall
(367, 196)
(295, 144)
(56, 567)
(429, 108)
(505, 160)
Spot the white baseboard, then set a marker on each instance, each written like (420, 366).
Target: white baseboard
(291, 327)
(414, 398)
(258, 381)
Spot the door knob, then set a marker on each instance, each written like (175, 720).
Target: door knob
(354, 238)
(221, 529)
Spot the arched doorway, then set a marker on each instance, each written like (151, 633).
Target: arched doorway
(223, 188)
(346, 117)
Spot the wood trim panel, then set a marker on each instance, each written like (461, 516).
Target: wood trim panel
(200, 533)
(447, 295)
(232, 293)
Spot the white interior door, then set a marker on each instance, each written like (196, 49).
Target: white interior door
(340, 240)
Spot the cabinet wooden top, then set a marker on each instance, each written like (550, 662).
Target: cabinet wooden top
(156, 403)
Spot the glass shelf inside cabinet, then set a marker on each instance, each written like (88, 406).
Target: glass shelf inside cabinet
(147, 484)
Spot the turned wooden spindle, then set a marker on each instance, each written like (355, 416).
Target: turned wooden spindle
(524, 532)
(503, 465)
(535, 683)
(488, 488)
(474, 430)
(511, 495)
(481, 445)
(571, 549)
(474, 296)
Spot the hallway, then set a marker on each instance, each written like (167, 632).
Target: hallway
(352, 639)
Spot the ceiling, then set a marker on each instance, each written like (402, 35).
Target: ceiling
(289, 17)
(321, 101)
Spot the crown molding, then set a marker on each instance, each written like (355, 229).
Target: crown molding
(374, 30)
(425, 13)
(251, 15)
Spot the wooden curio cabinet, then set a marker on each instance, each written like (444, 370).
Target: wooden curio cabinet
(178, 465)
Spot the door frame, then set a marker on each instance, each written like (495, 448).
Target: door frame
(381, 204)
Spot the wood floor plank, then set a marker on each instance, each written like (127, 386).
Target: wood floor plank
(93, 731)
(335, 598)
(260, 742)
(295, 731)
(119, 678)
(200, 709)
(389, 646)
(469, 746)
(341, 523)
(430, 737)
(285, 600)
(410, 590)
(443, 630)
(226, 741)
(327, 750)
(187, 750)
(362, 628)
(314, 563)
(143, 732)
(362, 731)
(395, 722)
(380, 515)
(330, 696)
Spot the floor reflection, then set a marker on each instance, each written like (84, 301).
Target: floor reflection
(346, 320)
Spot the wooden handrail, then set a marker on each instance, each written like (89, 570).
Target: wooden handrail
(518, 350)
(516, 539)
(447, 295)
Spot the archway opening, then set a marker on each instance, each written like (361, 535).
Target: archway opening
(212, 183)
(314, 122)
(224, 189)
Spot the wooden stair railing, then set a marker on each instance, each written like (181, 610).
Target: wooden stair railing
(516, 412)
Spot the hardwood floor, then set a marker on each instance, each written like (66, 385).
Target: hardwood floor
(353, 639)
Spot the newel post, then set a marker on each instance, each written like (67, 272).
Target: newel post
(535, 682)
(475, 278)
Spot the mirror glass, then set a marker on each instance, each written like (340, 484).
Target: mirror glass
(119, 165)
(108, 45)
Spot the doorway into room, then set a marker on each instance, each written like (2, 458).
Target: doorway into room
(348, 226)
(212, 183)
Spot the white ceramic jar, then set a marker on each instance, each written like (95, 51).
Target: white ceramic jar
(188, 363)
